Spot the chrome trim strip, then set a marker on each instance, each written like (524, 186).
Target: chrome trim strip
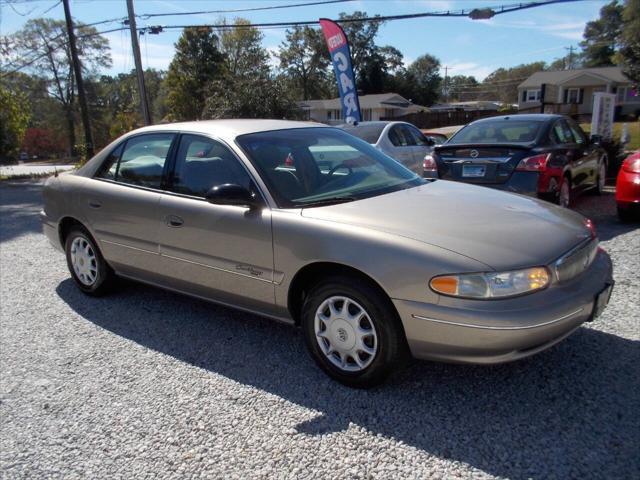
(487, 327)
(128, 246)
(216, 268)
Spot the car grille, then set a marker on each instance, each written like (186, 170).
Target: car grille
(576, 261)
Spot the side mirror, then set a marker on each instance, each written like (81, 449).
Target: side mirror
(430, 141)
(596, 139)
(232, 194)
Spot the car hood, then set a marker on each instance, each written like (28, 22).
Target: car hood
(502, 230)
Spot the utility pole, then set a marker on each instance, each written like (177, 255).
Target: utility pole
(136, 57)
(77, 69)
(570, 57)
(446, 88)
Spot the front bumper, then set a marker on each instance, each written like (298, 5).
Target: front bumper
(495, 331)
(50, 229)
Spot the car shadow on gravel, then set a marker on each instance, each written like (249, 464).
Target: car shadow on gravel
(602, 210)
(568, 412)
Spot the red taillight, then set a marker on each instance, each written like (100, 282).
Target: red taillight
(537, 163)
(632, 166)
(429, 164)
(592, 228)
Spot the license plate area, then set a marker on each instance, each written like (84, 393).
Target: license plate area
(601, 301)
(473, 171)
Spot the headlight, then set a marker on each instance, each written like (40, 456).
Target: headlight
(491, 284)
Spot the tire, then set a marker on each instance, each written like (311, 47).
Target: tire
(86, 264)
(383, 338)
(564, 193)
(601, 179)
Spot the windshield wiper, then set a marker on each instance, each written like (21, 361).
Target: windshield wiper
(325, 201)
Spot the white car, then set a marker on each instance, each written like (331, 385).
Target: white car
(400, 140)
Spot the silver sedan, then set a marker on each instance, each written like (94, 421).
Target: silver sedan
(309, 225)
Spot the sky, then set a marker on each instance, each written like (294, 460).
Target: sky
(465, 46)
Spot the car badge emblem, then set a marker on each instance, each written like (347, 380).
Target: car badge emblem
(474, 154)
(342, 334)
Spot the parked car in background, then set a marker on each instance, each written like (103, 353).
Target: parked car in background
(438, 138)
(400, 140)
(23, 157)
(628, 188)
(207, 209)
(541, 155)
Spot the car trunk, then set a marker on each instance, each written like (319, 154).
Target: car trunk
(479, 164)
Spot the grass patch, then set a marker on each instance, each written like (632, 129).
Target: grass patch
(634, 133)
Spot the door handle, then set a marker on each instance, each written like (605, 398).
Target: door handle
(95, 204)
(174, 221)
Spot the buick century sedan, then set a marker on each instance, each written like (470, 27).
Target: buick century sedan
(310, 225)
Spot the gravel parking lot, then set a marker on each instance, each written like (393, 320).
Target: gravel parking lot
(150, 384)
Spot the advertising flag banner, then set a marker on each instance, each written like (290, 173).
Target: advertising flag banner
(341, 59)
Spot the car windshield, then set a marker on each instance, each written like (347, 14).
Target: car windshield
(368, 133)
(318, 166)
(498, 131)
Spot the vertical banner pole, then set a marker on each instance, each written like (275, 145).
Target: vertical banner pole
(343, 68)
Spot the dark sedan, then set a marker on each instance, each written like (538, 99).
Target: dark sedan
(545, 156)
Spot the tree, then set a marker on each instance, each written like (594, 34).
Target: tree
(246, 88)
(502, 84)
(44, 42)
(251, 97)
(602, 36)
(304, 60)
(462, 87)
(361, 35)
(630, 41)
(424, 75)
(196, 64)
(242, 49)
(14, 118)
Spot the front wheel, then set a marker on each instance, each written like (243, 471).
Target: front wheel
(353, 332)
(87, 266)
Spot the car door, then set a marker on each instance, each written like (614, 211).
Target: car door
(120, 202)
(587, 151)
(222, 252)
(568, 149)
(423, 147)
(400, 146)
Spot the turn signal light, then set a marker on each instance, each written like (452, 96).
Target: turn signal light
(592, 228)
(537, 163)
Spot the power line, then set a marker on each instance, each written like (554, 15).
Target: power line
(146, 16)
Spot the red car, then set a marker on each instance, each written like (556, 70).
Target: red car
(628, 188)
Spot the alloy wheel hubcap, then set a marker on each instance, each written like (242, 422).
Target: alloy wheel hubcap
(84, 261)
(345, 333)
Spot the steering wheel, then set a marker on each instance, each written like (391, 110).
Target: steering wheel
(338, 167)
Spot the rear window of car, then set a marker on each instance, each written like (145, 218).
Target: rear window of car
(368, 133)
(502, 131)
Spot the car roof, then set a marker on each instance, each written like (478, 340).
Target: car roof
(228, 129)
(373, 123)
(531, 117)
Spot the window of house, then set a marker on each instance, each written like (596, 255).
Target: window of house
(366, 115)
(573, 95)
(533, 95)
(388, 112)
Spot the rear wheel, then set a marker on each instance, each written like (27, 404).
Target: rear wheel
(564, 194)
(87, 266)
(352, 332)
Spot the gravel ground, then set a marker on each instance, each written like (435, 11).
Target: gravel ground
(149, 384)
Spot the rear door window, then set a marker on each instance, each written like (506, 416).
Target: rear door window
(561, 133)
(140, 161)
(400, 136)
